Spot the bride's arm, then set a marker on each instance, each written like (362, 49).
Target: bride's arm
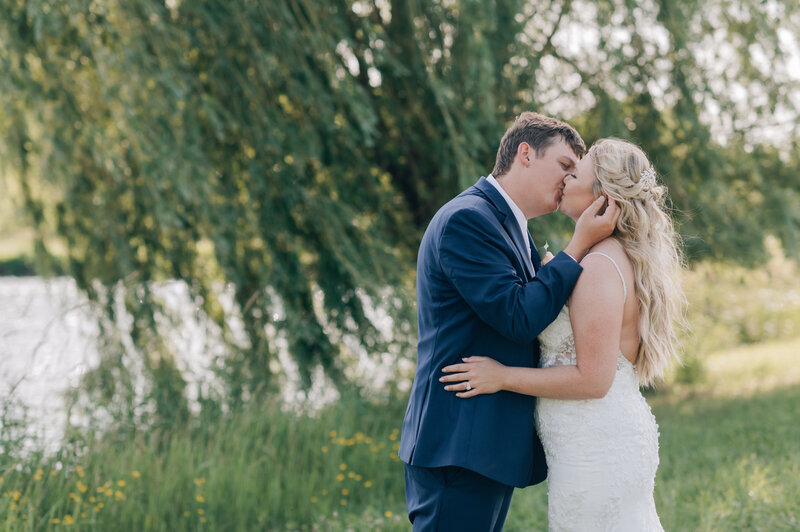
(596, 315)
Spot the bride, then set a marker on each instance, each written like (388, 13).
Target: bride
(616, 333)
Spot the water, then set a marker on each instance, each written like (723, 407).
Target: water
(48, 340)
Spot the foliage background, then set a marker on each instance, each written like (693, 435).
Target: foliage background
(283, 158)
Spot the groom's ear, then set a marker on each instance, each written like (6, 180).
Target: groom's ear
(525, 153)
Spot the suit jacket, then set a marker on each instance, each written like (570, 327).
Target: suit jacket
(476, 295)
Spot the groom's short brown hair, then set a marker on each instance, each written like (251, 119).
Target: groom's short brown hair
(540, 132)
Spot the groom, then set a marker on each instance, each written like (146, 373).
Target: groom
(481, 289)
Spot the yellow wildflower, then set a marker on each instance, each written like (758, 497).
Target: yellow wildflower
(52, 472)
(118, 495)
(82, 487)
(200, 481)
(79, 471)
(313, 499)
(92, 499)
(55, 521)
(350, 474)
(121, 483)
(345, 492)
(332, 434)
(368, 484)
(200, 511)
(200, 498)
(68, 520)
(343, 502)
(342, 467)
(136, 474)
(324, 448)
(358, 478)
(340, 477)
(388, 513)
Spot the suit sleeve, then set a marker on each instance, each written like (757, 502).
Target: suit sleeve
(475, 259)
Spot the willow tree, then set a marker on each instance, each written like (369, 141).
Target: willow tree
(294, 151)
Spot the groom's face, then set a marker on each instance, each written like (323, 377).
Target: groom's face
(547, 174)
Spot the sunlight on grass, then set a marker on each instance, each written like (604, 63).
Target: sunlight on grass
(753, 369)
(744, 371)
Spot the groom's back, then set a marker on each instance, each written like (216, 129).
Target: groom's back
(439, 428)
(440, 307)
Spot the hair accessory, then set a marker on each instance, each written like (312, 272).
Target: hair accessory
(648, 177)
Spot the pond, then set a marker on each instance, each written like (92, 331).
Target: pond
(48, 340)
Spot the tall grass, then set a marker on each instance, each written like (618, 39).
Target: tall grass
(729, 461)
(260, 469)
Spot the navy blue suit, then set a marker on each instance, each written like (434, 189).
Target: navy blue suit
(476, 295)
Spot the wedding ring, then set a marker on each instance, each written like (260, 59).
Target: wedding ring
(468, 386)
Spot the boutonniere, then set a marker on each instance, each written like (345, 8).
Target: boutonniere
(547, 255)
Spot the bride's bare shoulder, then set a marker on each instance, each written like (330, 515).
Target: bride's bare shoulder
(612, 248)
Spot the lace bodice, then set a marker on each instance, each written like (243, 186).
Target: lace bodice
(602, 454)
(558, 345)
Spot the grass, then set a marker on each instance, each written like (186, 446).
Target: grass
(261, 469)
(729, 461)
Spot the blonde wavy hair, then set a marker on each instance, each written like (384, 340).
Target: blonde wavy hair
(647, 235)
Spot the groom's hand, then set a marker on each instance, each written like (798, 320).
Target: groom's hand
(592, 227)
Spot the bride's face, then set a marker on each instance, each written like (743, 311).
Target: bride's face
(578, 193)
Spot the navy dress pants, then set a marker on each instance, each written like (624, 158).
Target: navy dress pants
(448, 498)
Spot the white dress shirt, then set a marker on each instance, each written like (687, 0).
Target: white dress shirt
(518, 214)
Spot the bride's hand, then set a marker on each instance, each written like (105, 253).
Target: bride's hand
(476, 376)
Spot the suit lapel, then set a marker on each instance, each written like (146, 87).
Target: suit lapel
(512, 228)
(508, 221)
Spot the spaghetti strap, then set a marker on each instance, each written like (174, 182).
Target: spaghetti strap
(624, 288)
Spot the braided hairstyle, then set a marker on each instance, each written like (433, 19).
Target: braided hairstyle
(647, 235)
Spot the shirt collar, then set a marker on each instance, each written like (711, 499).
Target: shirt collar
(518, 214)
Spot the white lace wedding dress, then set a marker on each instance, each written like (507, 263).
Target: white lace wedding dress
(602, 454)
